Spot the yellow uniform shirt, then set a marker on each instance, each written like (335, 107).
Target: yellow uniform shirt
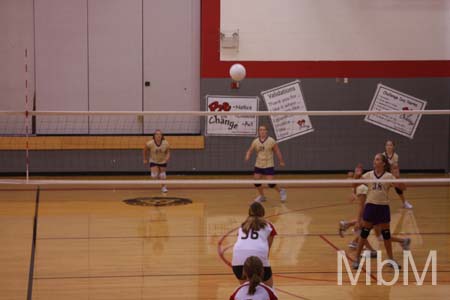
(264, 152)
(392, 159)
(158, 152)
(378, 192)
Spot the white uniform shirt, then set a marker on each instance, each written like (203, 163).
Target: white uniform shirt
(253, 244)
(263, 292)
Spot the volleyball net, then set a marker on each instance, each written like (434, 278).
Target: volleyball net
(211, 143)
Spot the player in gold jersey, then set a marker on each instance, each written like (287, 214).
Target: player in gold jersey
(265, 146)
(159, 156)
(376, 209)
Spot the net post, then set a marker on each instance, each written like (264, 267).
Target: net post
(27, 158)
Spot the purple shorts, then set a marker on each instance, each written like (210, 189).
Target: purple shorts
(158, 165)
(264, 171)
(377, 214)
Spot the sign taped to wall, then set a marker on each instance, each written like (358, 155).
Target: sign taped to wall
(227, 125)
(287, 97)
(386, 98)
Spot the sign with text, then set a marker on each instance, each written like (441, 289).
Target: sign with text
(287, 97)
(228, 125)
(389, 99)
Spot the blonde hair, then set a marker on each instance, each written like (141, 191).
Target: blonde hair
(255, 220)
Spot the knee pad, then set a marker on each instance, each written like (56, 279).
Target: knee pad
(154, 175)
(365, 232)
(257, 185)
(162, 175)
(386, 233)
(272, 185)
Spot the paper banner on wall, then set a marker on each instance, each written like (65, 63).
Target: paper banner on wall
(227, 125)
(287, 97)
(386, 98)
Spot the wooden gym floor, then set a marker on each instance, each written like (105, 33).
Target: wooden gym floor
(86, 243)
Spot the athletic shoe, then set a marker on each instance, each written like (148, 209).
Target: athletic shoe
(283, 195)
(342, 228)
(369, 253)
(407, 205)
(406, 244)
(260, 199)
(353, 245)
(164, 189)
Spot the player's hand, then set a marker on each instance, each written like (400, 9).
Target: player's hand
(352, 198)
(145, 161)
(247, 157)
(282, 164)
(396, 172)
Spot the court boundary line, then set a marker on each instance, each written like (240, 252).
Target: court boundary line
(280, 274)
(220, 235)
(250, 187)
(33, 247)
(221, 250)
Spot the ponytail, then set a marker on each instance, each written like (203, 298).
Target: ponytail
(255, 220)
(254, 281)
(387, 165)
(253, 271)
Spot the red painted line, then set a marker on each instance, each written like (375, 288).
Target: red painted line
(308, 279)
(338, 249)
(291, 294)
(220, 250)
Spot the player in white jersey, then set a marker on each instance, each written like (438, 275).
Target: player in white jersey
(376, 209)
(389, 152)
(255, 237)
(265, 146)
(253, 288)
(159, 156)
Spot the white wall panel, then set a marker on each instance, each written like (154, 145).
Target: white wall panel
(172, 62)
(341, 30)
(16, 35)
(115, 63)
(61, 63)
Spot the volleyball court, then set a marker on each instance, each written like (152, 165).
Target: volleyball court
(169, 226)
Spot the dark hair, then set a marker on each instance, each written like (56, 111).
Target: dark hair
(254, 272)
(158, 130)
(387, 165)
(393, 144)
(255, 220)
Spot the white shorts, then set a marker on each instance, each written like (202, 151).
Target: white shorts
(362, 189)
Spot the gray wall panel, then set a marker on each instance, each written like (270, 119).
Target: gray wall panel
(337, 143)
